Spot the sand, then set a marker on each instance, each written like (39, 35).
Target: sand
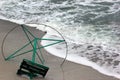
(71, 71)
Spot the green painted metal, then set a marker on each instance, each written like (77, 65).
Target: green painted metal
(39, 65)
(25, 29)
(10, 56)
(34, 50)
(36, 71)
(35, 47)
(41, 58)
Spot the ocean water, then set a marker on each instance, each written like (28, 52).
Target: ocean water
(90, 27)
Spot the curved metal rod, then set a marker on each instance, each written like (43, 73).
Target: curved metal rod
(2, 47)
(63, 39)
(3, 42)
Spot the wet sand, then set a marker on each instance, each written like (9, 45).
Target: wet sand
(71, 71)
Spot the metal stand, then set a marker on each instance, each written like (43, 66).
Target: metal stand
(35, 47)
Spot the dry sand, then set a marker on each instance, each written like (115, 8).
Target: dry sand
(71, 71)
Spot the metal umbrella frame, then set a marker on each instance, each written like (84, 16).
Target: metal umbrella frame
(34, 44)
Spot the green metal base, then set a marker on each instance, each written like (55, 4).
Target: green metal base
(35, 46)
(32, 69)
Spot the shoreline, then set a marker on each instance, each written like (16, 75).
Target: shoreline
(72, 71)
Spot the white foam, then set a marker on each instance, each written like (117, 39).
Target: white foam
(13, 20)
(76, 58)
(2, 2)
